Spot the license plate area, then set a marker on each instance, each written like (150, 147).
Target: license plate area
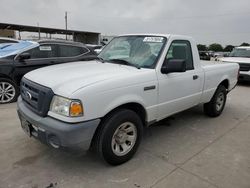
(26, 126)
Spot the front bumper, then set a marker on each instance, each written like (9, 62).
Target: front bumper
(244, 76)
(57, 133)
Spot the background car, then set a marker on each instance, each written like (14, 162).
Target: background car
(218, 55)
(4, 42)
(18, 59)
(4, 45)
(8, 40)
(204, 55)
(8, 49)
(240, 55)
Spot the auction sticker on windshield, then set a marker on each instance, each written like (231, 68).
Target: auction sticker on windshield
(153, 39)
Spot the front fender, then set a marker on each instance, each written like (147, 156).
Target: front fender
(122, 100)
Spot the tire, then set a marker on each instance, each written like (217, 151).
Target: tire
(8, 91)
(216, 105)
(112, 140)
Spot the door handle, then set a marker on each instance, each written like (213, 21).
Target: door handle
(195, 77)
(149, 88)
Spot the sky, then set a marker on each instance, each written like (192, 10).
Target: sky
(208, 21)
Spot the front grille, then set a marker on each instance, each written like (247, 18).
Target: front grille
(36, 97)
(244, 67)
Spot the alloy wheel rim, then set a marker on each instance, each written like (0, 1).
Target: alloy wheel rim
(7, 92)
(220, 101)
(124, 139)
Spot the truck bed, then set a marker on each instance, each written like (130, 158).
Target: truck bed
(215, 72)
(210, 63)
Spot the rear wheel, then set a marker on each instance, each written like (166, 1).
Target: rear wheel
(119, 137)
(8, 91)
(216, 105)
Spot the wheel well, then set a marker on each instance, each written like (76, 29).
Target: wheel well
(225, 83)
(136, 107)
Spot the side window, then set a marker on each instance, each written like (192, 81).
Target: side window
(181, 49)
(43, 51)
(71, 51)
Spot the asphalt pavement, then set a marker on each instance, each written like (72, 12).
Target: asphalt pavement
(187, 150)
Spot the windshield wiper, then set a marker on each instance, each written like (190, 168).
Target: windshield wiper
(123, 62)
(100, 59)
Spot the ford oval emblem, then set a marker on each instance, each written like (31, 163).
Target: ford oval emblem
(28, 95)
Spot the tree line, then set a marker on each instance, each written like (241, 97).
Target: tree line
(218, 47)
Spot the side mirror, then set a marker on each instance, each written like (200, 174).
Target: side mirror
(173, 65)
(24, 56)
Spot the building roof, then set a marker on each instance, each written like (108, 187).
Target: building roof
(27, 28)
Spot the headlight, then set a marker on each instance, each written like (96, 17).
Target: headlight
(66, 107)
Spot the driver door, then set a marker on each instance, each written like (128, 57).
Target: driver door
(179, 91)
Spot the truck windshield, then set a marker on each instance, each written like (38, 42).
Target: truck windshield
(240, 52)
(138, 51)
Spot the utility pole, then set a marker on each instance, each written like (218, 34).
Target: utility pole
(19, 35)
(66, 23)
(39, 33)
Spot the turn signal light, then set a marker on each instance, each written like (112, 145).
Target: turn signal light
(76, 109)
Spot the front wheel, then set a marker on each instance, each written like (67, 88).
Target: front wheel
(119, 137)
(216, 105)
(8, 91)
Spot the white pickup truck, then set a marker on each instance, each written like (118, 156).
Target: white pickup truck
(105, 103)
(240, 55)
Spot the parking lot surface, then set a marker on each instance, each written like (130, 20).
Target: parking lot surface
(187, 150)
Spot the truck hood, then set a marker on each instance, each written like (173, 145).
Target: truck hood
(65, 79)
(235, 59)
